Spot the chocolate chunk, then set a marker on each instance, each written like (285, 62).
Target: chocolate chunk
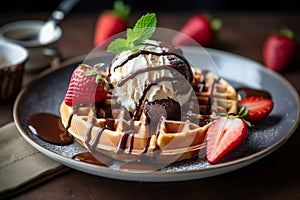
(167, 108)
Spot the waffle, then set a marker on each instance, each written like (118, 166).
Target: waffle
(115, 134)
(129, 140)
(214, 93)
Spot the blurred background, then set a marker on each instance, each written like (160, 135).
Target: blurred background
(156, 5)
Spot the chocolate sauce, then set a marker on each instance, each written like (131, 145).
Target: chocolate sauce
(96, 140)
(160, 123)
(211, 97)
(122, 142)
(109, 123)
(89, 158)
(146, 146)
(75, 109)
(247, 92)
(140, 71)
(88, 136)
(49, 127)
(178, 63)
(131, 140)
(187, 72)
(202, 81)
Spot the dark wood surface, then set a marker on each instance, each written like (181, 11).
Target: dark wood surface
(277, 176)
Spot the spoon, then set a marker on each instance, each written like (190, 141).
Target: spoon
(47, 32)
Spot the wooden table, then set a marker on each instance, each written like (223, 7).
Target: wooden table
(275, 177)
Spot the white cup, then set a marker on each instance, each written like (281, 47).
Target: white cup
(25, 33)
(12, 63)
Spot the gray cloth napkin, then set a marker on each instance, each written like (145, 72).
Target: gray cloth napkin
(21, 165)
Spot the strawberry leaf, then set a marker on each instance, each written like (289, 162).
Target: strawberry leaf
(287, 32)
(243, 112)
(216, 24)
(94, 71)
(100, 79)
(90, 72)
(85, 65)
(121, 10)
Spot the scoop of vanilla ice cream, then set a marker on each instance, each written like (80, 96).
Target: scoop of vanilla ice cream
(129, 94)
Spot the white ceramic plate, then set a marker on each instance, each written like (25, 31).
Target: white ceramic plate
(46, 94)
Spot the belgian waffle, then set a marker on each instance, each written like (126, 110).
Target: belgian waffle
(214, 93)
(122, 138)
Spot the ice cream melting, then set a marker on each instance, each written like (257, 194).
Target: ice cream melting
(150, 74)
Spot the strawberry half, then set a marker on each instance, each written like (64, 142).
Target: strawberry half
(258, 108)
(223, 135)
(86, 86)
(111, 22)
(279, 50)
(201, 28)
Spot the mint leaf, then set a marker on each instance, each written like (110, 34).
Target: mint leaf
(131, 35)
(146, 21)
(118, 45)
(142, 30)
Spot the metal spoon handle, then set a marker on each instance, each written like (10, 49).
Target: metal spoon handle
(62, 10)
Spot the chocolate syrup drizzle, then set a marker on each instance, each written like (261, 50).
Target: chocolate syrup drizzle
(174, 69)
(171, 50)
(166, 50)
(202, 81)
(126, 122)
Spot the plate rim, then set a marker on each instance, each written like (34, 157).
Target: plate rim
(160, 175)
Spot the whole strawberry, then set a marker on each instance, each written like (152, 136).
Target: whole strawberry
(201, 28)
(86, 86)
(279, 50)
(111, 22)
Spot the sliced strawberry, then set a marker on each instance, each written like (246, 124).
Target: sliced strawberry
(223, 135)
(111, 22)
(258, 107)
(200, 28)
(86, 86)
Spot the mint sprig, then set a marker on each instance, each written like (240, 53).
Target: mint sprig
(142, 30)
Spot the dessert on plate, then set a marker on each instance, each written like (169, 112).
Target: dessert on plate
(149, 104)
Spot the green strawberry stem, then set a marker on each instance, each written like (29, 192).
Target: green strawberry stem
(120, 10)
(287, 32)
(95, 71)
(215, 23)
(242, 114)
